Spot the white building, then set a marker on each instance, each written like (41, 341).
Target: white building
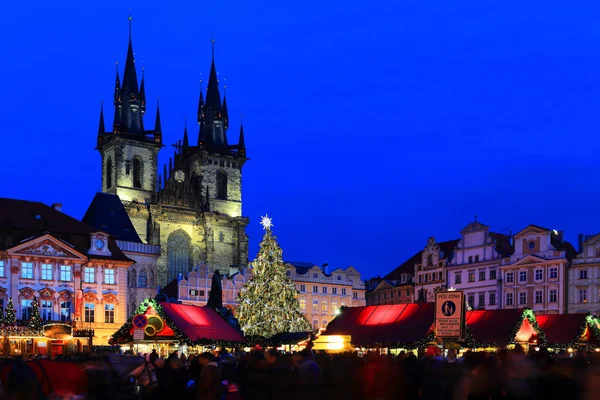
(584, 277)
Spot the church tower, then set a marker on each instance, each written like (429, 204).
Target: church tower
(193, 207)
(129, 152)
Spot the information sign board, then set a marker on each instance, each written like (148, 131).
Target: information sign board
(450, 314)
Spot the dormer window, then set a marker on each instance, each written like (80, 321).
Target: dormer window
(531, 245)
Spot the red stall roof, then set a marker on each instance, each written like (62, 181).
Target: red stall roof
(563, 328)
(398, 323)
(492, 326)
(200, 322)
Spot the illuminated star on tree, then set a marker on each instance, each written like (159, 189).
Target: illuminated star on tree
(266, 222)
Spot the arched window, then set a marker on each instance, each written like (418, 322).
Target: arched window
(109, 173)
(151, 281)
(133, 279)
(137, 173)
(179, 257)
(143, 279)
(221, 185)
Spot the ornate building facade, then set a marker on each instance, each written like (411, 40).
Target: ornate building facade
(430, 273)
(76, 273)
(193, 210)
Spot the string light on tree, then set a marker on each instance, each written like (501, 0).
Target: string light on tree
(269, 300)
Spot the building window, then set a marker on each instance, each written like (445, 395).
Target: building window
(553, 273)
(538, 297)
(88, 275)
(324, 324)
(324, 306)
(109, 276)
(509, 299)
(303, 288)
(408, 292)
(2, 268)
(470, 259)
(477, 258)
(303, 304)
(539, 274)
(510, 277)
(482, 275)
(339, 277)
(1, 306)
(221, 237)
(109, 173)
(343, 292)
(552, 296)
(583, 274)
(47, 310)
(334, 290)
(481, 300)
(65, 273)
(430, 260)
(471, 276)
(583, 295)
(324, 289)
(221, 185)
(492, 299)
(27, 270)
(26, 309)
(492, 274)
(522, 298)
(88, 314)
(379, 297)
(315, 289)
(426, 277)
(355, 295)
(109, 313)
(137, 173)
(143, 279)
(315, 305)
(288, 273)
(315, 324)
(458, 277)
(65, 311)
(315, 275)
(47, 272)
(522, 276)
(334, 306)
(385, 296)
(471, 300)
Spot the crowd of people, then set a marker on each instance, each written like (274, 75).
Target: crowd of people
(268, 374)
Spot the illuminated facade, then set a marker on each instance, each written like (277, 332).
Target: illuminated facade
(76, 273)
(535, 276)
(193, 210)
(584, 277)
(430, 272)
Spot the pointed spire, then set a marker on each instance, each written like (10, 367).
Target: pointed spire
(201, 105)
(130, 81)
(101, 129)
(242, 141)
(186, 142)
(143, 92)
(157, 127)
(117, 86)
(165, 173)
(224, 108)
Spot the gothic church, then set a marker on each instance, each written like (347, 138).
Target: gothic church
(193, 210)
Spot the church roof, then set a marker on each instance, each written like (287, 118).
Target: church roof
(106, 213)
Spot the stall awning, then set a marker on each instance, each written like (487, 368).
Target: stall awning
(566, 329)
(395, 325)
(493, 327)
(198, 323)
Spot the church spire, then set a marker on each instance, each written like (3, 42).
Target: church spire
(186, 143)
(130, 81)
(242, 141)
(201, 105)
(143, 93)
(224, 108)
(101, 129)
(157, 126)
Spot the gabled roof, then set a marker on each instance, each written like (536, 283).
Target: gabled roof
(503, 245)
(22, 219)
(106, 213)
(530, 227)
(407, 267)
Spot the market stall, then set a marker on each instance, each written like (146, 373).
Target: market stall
(170, 326)
(567, 331)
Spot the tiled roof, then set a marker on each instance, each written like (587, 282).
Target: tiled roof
(106, 213)
(23, 220)
(503, 245)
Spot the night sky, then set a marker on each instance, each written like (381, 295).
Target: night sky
(370, 125)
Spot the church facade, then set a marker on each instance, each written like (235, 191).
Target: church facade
(193, 209)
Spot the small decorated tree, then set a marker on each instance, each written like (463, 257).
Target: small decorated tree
(35, 321)
(10, 318)
(269, 300)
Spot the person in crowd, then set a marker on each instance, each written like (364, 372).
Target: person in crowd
(209, 382)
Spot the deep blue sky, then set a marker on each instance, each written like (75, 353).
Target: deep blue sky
(370, 126)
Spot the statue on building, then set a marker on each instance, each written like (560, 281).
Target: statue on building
(215, 300)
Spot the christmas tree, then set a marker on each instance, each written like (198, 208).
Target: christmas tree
(10, 317)
(35, 321)
(269, 300)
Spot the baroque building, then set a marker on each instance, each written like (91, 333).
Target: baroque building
(430, 272)
(76, 273)
(193, 210)
(474, 268)
(535, 275)
(397, 287)
(584, 276)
